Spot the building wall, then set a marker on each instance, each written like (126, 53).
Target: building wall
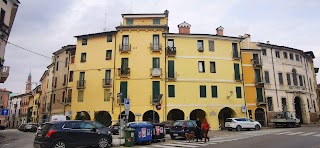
(4, 97)
(14, 111)
(43, 110)
(49, 90)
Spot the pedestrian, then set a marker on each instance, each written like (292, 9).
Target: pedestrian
(198, 130)
(205, 129)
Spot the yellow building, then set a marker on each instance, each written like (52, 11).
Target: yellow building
(199, 75)
(253, 82)
(34, 103)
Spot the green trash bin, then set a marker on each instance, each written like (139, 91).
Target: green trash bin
(129, 137)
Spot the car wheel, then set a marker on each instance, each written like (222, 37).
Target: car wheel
(229, 129)
(238, 128)
(173, 137)
(103, 142)
(59, 144)
(257, 127)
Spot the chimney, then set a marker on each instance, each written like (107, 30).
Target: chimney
(184, 28)
(220, 30)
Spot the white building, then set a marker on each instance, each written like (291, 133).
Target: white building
(289, 80)
(14, 110)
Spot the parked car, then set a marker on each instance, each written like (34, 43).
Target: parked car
(241, 123)
(168, 125)
(115, 128)
(21, 127)
(2, 127)
(73, 133)
(179, 128)
(31, 127)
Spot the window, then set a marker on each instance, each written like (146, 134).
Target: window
(200, 45)
(64, 79)
(201, 66)
(57, 66)
(63, 97)
(55, 82)
(109, 38)
(80, 95)
(155, 62)
(257, 75)
(155, 40)
(71, 76)
(129, 21)
(214, 91)
(285, 55)
(212, 67)
(280, 78)
(84, 41)
(66, 63)
(124, 66)
(108, 54)
(284, 104)
(203, 92)
(266, 75)
(304, 80)
(269, 104)
(5, 1)
(86, 125)
(125, 43)
(107, 95)
(277, 54)
(156, 21)
(297, 57)
(69, 95)
(238, 91)
(83, 57)
(171, 73)
(300, 80)
(264, 52)
(82, 76)
(259, 94)
(294, 77)
(291, 56)
(235, 50)
(54, 98)
(288, 79)
(171, 89)
(311, 84)
(3, 14)
(107, 77)
(236, 71)
(211, 45)
(155, 91)
(123, 90)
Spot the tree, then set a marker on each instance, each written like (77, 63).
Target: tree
(103, 117)
(82, 116)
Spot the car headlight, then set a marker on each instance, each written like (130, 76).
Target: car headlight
(109, 132)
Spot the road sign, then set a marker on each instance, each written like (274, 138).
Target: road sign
(158, 106)
(244, 109)
(138, 114)
(126, 106)
(70, 112)
(4, 112)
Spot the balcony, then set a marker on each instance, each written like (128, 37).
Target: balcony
(81, 84)
(155, 47)
(235, 55)
(106, 82)
(156, 72)
(256, 63)
(299, 89)
(4, 31)
(171, 51)
(4, 73)
(172, 76)
(124, 72)
(125, 48)
(261, 101)
(237, 78)
(258, 82)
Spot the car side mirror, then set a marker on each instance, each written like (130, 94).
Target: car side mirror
(94, 129)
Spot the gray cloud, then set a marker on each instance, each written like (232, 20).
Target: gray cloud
(46, 26)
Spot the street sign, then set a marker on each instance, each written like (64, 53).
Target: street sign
(4, 112)
(158, 106)
(138, 114)
(159, 97)
(126, 106)
(70, 112)
(244, 109)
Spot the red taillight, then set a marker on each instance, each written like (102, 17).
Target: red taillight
(50, 133)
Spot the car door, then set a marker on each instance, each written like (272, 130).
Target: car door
(242, 122)
(249, 123)
(91, 134)
(74, 133)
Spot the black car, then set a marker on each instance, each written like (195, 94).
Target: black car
(167, 125)
(181, 127)
(115, 129)
(72, 133)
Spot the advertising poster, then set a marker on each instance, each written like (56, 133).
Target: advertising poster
(144, 132)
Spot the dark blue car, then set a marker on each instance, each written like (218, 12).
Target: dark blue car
(181, 127)
(65, 134)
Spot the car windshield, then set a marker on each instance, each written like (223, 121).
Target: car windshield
(179, 123)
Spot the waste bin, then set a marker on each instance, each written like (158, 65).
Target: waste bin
(143, 132)
(129, 137)
(158, 132)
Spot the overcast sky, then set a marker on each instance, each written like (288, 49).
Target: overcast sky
(45, 26)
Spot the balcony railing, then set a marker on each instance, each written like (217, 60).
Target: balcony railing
(125, 48)
(235, 55)
(261, 101)
(106, 82)
(156, 72)
(81, 84)
(4, 28)
(256, 63)
(155, 47)
(171, 51)
(124, 72)
(259, 82)
(4, 73)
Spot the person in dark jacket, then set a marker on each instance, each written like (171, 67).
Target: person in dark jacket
(198, 130)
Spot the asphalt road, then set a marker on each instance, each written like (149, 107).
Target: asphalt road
(12, 138)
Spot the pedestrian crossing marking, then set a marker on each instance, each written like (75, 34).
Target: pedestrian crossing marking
(198, 144)
(283, 133)
(179, 145)
(164, 146)
(307, 134)
(296, 133)
(317, 135)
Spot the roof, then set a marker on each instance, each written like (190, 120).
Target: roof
(64, 48)
(21, 95)
(4, 90)
(43, 75)
(199, 34)
(143, 26)
(96, 34)
(184, 25)
(49, 66)
(143, 15)
(310, 53)
(245, 49)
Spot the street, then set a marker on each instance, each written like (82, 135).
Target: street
(306, 137)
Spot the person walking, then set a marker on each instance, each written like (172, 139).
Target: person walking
(198, 130)
(205, 129)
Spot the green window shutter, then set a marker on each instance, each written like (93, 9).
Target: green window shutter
(171, 90)
(203, 92)
(257, 75)
(238, 90)
(236, 71)
(155, 90)
(171, 69)
(155, 62)
(124, 90)
(259, 94)
(214, 91)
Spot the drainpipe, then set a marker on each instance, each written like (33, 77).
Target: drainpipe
(165, 76)
(114, 73)
(308, 82)
(274, 76)
(244, 90)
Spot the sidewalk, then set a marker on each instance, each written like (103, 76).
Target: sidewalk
(116, 142)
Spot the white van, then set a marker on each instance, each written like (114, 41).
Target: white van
(58, 118)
